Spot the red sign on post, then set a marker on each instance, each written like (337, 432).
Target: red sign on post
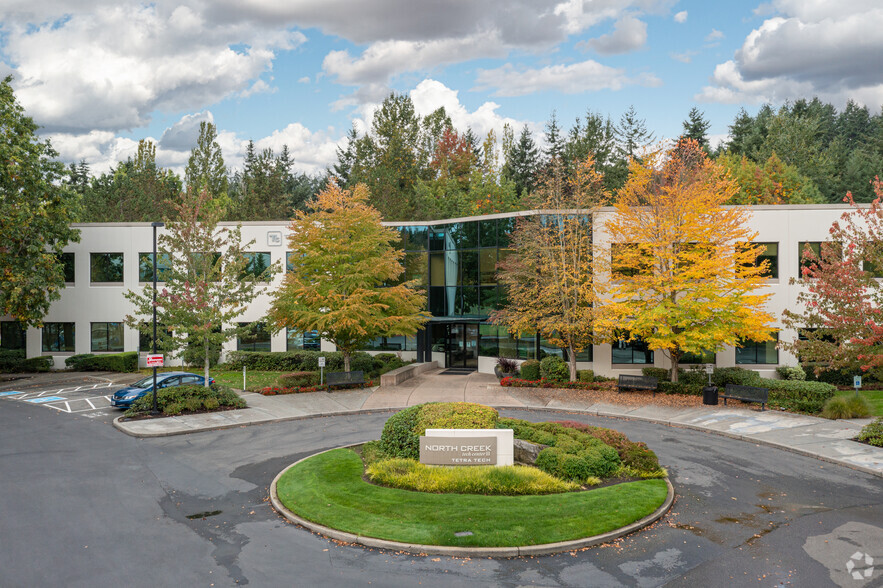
(154, 361)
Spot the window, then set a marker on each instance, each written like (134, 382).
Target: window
(758, 352)
(296, 341)
(631, 352)
(107, 337)
(872, 269)
(257, 264)
(488, 267)
(257, 338)
(106, 268)
(487, 233)
(818, 247)
(13, 336)
(462, 235)
(67, 259)
(625, 260)
(704, 357)
(58, 337)
(145, 338)
(397, 343)
(145, 267)
(414, 238)
(770, 253)
(547, 348)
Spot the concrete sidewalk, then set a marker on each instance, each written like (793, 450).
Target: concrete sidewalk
(812, 436)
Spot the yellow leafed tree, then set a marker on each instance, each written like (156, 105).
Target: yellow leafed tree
(549, 276)
(683, 269)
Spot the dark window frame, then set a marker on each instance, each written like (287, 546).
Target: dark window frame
(57, 334)
(107, 255)
(750, 351)
(107, 337)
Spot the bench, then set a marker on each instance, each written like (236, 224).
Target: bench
(345, 378)
(746, 394)
(630, 382)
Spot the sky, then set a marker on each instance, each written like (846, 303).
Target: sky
(99, 75)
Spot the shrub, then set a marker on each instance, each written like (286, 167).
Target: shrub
(553, 368)
(660, 374)
(828, 376)
(585, 375)
(299, 379)
(488, 480)
(398, 438)
(507, 365)
(386, 362)
(572, 455)
(695, 376)
(14, 361)
(530, 370)
(842, 407)
(455, 415)
(634, 455)
(800, 396)
(788, 372)
(178, 399)
(299, 361)
(859, 407)
(872, 433)
(194, 355)
(681, 388)
(735, 375)
(116, 362)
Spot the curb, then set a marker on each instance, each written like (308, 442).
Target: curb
(416, 549)
(619, 416)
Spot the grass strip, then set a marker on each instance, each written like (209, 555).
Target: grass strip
(328, 489)
(874, 398)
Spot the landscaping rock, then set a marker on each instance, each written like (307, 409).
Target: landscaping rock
(527, 452)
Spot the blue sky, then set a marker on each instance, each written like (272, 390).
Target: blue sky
(99, 75)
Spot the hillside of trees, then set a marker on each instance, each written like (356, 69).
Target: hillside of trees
(419, 168)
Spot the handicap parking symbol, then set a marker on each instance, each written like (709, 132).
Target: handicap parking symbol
(44, 399)
(13, 392)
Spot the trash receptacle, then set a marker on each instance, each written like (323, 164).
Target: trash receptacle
(709, 395)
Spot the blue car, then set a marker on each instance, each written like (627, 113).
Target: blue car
(124, 397)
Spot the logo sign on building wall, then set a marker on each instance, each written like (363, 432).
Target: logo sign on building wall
(461, 451)
(154, 361)
(274, 238)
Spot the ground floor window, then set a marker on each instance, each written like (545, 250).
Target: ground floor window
(58, 337)
(703, 357)
(631, 352)
(297, 341)
(758, 352)
(496, 341)
(107, 337)
(13, 336)
(256, 339)
(397, 343)
(546, 348)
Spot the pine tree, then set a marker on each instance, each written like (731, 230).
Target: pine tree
(523, 162)
(205, 168)
(696, 128)
(631, 134)
(555, 143)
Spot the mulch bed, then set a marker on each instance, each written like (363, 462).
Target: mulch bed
(147, 416)
(635, 399)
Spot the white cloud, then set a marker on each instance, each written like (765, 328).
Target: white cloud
(681, 17)
(628, 34)
(183, 135)
(587, 76)
(714, 35)
(304, 80)
(109, 69)
(812, 48)
(685, 57)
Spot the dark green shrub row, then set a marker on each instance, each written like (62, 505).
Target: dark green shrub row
(180, 399)
(401, 433)
(14, 361)
(791, 372)
(116, 362)
(308, 361)
(697, 377)
(800, 396)
(873, 433)
(299, 379)
(842, 377)
(633, 454)
(529, 370)
(572, 455)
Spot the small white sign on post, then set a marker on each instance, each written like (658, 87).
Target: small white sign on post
(857, 382)
(322, 370)
(154, 361)
(322, 361)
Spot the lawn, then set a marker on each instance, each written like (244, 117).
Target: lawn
(328, 489)
(254, 379)
(874, 398)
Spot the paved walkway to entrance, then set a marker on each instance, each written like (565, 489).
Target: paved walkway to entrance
(816, 437)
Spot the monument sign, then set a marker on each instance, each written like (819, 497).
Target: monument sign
(464, 447)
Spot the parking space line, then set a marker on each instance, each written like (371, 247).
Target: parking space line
(90, 403)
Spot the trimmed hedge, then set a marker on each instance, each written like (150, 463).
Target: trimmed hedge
(791, 372)
(308, 361)
(14, 361)
(797, 395)
(529, 370)
(180, 399)
(681, 388)
(117, 362)
(571, 455)
(553, 367)
(401, 433)
(299, 379)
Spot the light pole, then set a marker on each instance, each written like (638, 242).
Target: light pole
(155, 226)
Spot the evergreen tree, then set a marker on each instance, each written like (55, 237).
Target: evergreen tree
(631, 134)
(523, 162)
(346, 158)
(696, 128)
(555, 143)
(205, 168)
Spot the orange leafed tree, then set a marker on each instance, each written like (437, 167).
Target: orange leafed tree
(339, 282)
(549, 277)
(683, 269)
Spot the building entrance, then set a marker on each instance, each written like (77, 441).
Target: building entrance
(461, 350)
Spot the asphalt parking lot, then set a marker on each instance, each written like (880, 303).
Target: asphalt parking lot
(85, 505)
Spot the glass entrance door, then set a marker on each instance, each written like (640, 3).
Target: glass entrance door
(462, 348)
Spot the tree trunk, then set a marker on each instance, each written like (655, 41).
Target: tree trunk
(675, 358)
(571, 363)
(206, 362)
(346, 361)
